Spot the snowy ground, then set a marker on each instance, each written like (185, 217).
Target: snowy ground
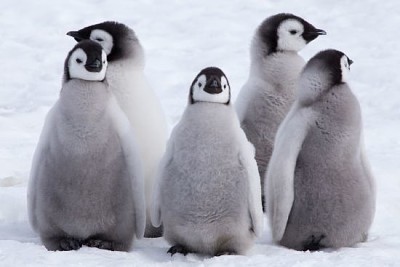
(180, 38)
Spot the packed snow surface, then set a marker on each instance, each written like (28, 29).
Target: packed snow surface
(180, 38)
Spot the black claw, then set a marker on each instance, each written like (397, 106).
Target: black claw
(67, 244)
(178, 249)
(313, 243)
(101, 244)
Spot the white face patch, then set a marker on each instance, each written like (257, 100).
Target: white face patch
(345, 68)
(77, 70)
(290, 36)
(224, 84)
(104, 39)
(199, 95)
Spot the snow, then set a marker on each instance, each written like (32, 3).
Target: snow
(180, 38)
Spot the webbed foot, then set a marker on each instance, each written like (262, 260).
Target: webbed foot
(67, 244)
(178, 249)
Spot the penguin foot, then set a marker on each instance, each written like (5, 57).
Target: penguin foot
(101, 244)
(178, 249)
(222, 253)
(313, 243)
(67, 244)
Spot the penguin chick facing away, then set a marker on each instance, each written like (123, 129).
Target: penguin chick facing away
(125, 76)
(208, 193)
(265, 99)
(320, 190)
(86, 184)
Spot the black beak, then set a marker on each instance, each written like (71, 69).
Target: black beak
(350, 61)
(311, 34)
(76, 35)
(213, 86)
(94, 66)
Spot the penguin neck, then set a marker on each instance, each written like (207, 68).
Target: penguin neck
(209, 112)
(121, 73)
(258, 49)
(124, 67)
(124, 77)
(280, 69)
(83, 102)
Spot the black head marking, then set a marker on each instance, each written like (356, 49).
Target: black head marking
(268, 30)
(329, 62)
(122, 36)
(213, 82)
(93, 53)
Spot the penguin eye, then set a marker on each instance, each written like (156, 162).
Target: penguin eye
(79, 61)
(199, 84)
(293, 32)
(224, 86)
(99, 39)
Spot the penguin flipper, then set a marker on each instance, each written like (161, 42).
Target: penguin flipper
(165, 160)
(37, 164)
(254, 197)
(155, 216)
(246, 158)
(279, 189)
(133, 162)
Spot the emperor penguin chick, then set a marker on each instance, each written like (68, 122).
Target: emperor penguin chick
(208, 194)
(320, 190)
(86, 184)
(265, 99)
(125, 75)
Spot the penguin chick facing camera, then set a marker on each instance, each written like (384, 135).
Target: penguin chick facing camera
(320, 189)
(128, 83)
(207, 193)
(86, 181)
(266, 97)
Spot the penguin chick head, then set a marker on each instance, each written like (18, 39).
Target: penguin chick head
(86, 61)
(286, 32)
(210, 85)
(115, 38)
(325, 70)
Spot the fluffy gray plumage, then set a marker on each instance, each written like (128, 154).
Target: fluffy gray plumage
(208, 195)
(319, 185)
(265, 99)
(86, 183)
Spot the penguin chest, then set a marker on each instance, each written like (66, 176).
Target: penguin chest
(205, 181)
(206, 141)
